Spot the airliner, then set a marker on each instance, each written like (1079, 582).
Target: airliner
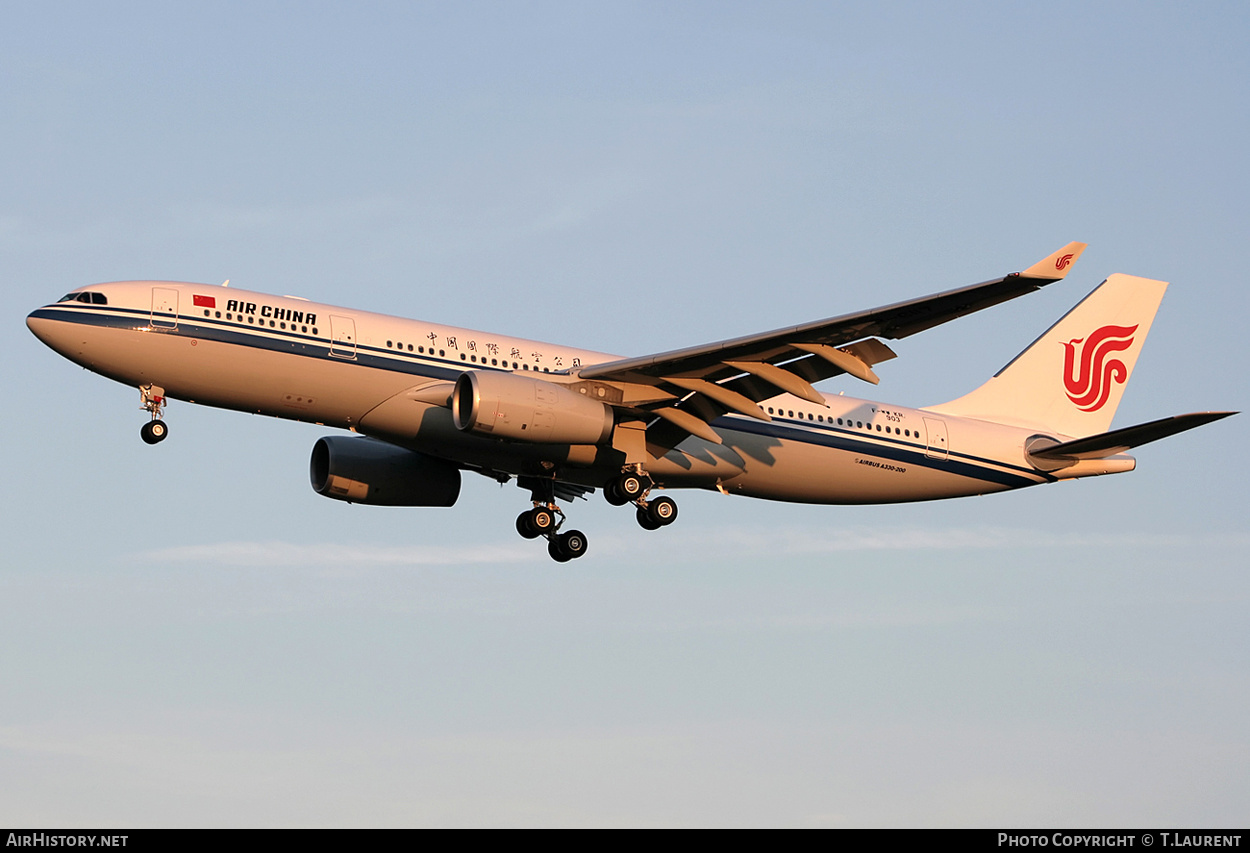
(741, 416)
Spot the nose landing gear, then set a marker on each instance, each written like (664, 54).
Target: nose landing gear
(153, 401)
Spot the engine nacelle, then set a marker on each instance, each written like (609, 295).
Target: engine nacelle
(505, 405)
(368, 471)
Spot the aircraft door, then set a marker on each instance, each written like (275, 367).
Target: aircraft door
(935, 439)
(342, 337)
(164, 308)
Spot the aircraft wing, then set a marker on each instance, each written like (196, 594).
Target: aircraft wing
(696, 385)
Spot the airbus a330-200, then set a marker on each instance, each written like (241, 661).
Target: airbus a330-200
(742, 416)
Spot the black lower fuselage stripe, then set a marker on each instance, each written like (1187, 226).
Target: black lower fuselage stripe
(436, 368)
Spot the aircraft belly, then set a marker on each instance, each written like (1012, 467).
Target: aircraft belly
(805, 472)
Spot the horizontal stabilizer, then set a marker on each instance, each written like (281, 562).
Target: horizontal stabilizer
(1119, 440)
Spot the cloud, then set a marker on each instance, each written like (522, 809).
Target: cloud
(680, 543)
(806, 541)
(277, 553)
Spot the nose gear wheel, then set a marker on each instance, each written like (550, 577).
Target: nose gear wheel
(152, 400)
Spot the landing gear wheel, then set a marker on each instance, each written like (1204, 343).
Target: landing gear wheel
(523, 526)
(645, 521)
(567, 546)
(542, 520)
(631, 486)
(663, 511)
(572, 543)
(154, 431)
(613, 494)
(535, 522)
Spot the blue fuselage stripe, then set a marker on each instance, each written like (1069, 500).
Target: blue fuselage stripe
(433, 367)
(826, 435)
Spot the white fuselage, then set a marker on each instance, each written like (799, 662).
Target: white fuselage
(389, 377)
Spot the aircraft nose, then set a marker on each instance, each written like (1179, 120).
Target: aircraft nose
(55, 333)
(38, 325)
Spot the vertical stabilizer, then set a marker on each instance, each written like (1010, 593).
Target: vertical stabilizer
(1070, 380)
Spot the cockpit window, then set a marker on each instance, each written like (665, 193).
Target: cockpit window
(87, 297)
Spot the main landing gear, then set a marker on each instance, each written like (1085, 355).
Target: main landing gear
(633, 487)
(542, 521)
(546, 519)
(153, 400)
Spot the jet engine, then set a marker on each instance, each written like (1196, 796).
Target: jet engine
(368, 471)
(506, 405)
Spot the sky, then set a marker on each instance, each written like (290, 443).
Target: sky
(189, 636)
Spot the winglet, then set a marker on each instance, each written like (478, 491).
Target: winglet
(1056, 266)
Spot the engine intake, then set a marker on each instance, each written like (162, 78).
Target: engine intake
(505, 405)
(368, 471)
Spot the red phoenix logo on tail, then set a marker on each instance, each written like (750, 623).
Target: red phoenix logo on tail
(1089, 388)
(1062, 262)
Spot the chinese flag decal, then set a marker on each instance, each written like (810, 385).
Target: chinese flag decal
(204, 301)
